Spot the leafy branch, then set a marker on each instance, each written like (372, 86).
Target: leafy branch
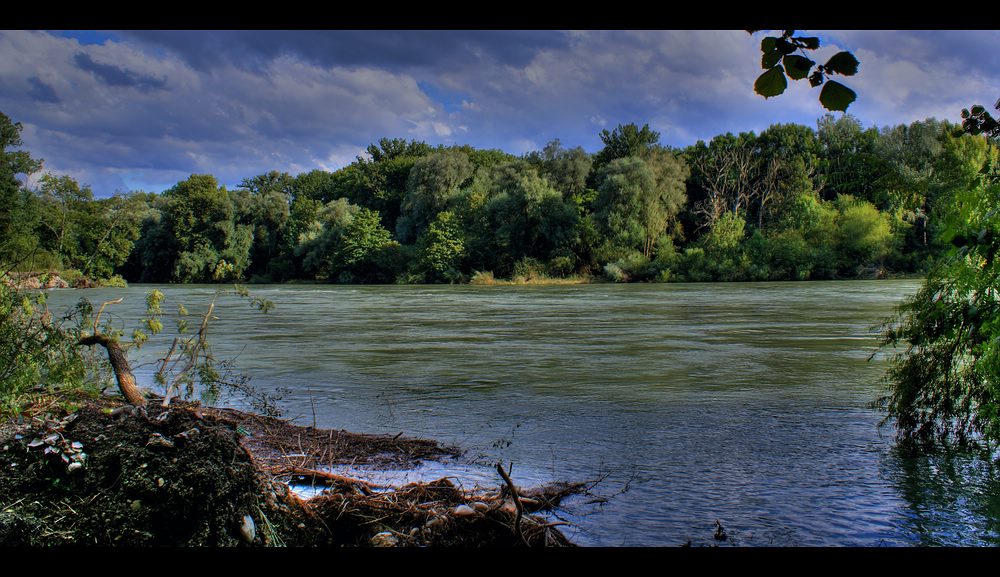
(780, 61)
(189, 360)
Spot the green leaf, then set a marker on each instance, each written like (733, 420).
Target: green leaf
(836, 96)
(771, 83)
(808, 42)
(784, 46)
(815, 79)
(797, 67)
(843, 63)
(767, 44)
(769, 59)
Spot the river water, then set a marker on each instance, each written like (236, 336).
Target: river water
(745, 403)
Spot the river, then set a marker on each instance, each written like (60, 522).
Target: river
(746, 403)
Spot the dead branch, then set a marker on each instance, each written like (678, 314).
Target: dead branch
(364, 486)
(517, 501)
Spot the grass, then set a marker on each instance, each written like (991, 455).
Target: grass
(486, 278)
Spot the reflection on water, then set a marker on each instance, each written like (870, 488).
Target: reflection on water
(952, 496)
(742, 402)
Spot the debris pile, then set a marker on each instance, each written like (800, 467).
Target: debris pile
(193, 476)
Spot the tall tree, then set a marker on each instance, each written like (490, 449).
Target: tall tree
(16, 218)
(638, 199)
(211, 246)
(624, 141)
(433, 181)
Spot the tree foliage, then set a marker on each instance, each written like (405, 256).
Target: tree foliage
(16, 214)
(944, 378)
(648, 211)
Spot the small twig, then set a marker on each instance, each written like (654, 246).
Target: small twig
(163, 367)
(312, 404)
(97, 319)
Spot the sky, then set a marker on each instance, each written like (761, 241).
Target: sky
(143, 109)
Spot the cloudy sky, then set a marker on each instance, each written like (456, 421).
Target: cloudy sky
(129, 110)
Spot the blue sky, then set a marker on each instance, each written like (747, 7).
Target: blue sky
(127, 110)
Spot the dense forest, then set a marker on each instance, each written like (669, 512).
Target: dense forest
(793, 202)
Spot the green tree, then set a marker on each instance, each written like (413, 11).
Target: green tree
(944, 379)
(262, 203)
(17, 217)
(62, 203)
(566, 170)
(379, 181)
(211, 246)
(624, 141)
(433, 181)
(639, 199)
(319, 238)
(109, 229)
(527, 217)
(864, 234)
(356, 259)
(849, 161)
(441, 248)
(944, 383)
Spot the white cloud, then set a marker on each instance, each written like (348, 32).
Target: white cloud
(227, 121)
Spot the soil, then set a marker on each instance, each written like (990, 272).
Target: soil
(109, 474)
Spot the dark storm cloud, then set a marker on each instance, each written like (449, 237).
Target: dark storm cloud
(388, 50)
(42, 92)
(242, 102)
(114, 76)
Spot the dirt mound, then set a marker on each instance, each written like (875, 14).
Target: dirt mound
(164, 478)
(191, 476)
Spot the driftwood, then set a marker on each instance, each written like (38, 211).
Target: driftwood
(119, 363)
(117, 358)
(362, 485)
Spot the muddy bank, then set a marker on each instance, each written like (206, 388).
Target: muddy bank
(192, 476)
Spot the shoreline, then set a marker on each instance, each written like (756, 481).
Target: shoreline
(112, 474)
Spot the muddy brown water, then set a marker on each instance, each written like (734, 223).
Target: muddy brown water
(745, 403)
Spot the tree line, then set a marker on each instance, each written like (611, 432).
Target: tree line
(793, 202)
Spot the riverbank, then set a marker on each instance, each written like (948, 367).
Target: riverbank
(109, 474)
(36, 280)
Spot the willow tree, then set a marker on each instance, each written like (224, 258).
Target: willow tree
(639, 198)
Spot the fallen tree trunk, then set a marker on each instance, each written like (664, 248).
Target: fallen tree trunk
(119, 363)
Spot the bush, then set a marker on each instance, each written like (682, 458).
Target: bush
(483, 278)
(789, 256)
(37, 348)
(864, 234)
(528, 268)
(614, 273)
(561, 266)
